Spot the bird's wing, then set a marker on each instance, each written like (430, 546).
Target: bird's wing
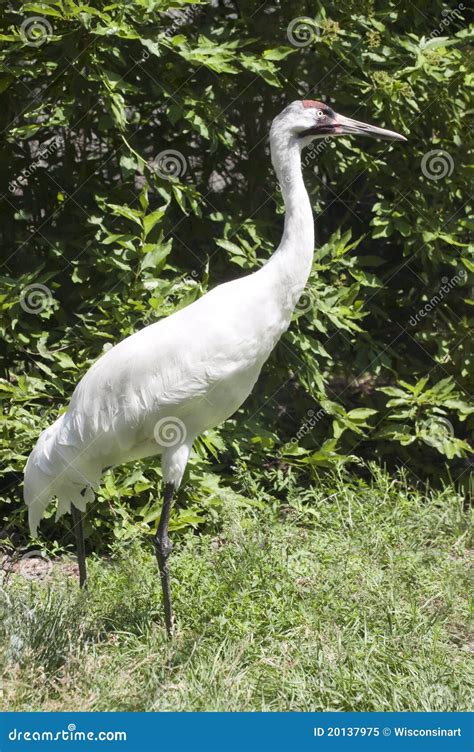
(169, 365)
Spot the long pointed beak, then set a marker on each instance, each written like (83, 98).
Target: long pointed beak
(345, 125)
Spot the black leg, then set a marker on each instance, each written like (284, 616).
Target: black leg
(163, 548)
(78, 525)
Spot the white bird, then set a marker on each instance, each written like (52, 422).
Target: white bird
(157, 390)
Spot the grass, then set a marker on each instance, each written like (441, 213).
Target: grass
(353, 602)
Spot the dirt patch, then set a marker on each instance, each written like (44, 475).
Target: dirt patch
(35, 565)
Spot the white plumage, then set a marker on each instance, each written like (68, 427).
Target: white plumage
(162, 386)
(157, 390)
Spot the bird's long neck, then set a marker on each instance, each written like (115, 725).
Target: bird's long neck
(290, 265)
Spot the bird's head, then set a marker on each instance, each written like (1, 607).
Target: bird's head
(307, 119)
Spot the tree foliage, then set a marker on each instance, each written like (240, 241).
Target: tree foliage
(136, 175)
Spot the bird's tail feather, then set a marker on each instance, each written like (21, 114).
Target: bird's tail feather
(53, 470)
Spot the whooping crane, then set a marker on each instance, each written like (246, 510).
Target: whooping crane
(157, 390)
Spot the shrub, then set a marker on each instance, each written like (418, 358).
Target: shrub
(136, 174)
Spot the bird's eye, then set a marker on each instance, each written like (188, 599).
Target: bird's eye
(319, 113)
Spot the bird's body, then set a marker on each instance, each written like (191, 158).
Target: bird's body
(157, 390)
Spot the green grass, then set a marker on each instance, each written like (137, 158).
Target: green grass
(354, 602)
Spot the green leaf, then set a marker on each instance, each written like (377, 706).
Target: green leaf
(127, 212)
(155, 257)
(152, 219)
